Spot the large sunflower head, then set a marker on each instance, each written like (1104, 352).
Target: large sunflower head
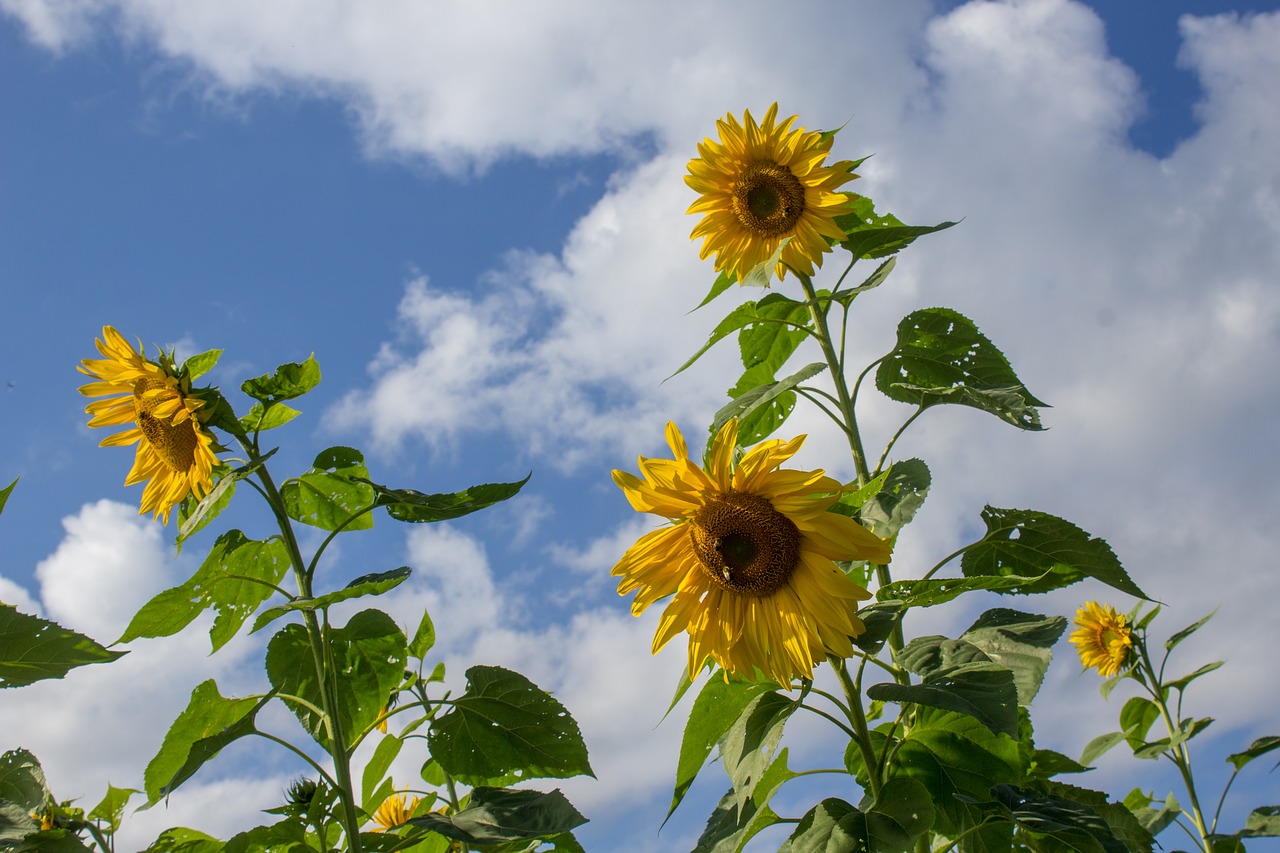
(749, 560)
(175, 451)
(761, 184)
(1103, 638)
(394, 811)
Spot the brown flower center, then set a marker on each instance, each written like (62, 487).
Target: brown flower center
(767, 199)
(176, 444)
(744, 545)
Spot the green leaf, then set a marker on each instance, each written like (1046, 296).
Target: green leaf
(781, 327)
(1186, 632)
(1047, 763)
(200, 364)
(718, 706)
(23, 786)
(941, 357)
(984, 691)
(369, 652)
(729, 828)
(1020, 642)
(262, 418)
(1261, 746)
(371, 584)
(1026, 543)
(5, 492)
(1154, 821)
(933, 654)
(335, 493)
(719, 286)
(900, 498)
(870, 235)
(1226, 844)
(1119, 820)
(832, 826)
(747, 748)
(505, 728)
(1072, 825)
(1099, 745)
(423, 638)
(194, 515)
(845, 297)
(1136, 718)
(879, 619)
(183, 840)
(1264, 821)
(764, 408)
(954, 755)
(209, 723)
(411, 506)
(926, 593)
(497, 815)
(289, 381)
(902, 813)
(111, 808)
(385, 753)
(238, 575)
(1181, 683)
(33, 649)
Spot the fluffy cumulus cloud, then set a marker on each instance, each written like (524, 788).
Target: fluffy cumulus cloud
(1134, 293)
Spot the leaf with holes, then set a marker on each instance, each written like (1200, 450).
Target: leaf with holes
(872, 235)
(941, 357)
(33, 649)
(289, 381)
(899, 499)
(335, 493)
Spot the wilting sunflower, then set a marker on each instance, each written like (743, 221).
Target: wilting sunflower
(1103, 640)
(394, 811)
(175, 452)
(762, 183)
(749, 559)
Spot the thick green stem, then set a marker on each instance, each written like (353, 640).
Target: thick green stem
(325, 671)
(858, 719)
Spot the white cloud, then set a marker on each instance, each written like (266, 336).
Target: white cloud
(18, 596)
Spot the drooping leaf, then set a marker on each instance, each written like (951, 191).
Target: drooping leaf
(1119, 819)
(872, 235)
(897, 502)
(411, 506)
(1099, 745)
(984, 691)
(505, 728)
(879, 619)
(234, 580)
(193, 515)
(729, 827)
(498, 815)
(763, 408)
(334, 493)
(1027, 543)
(1186, 632)
(209, 723)
(371, 584)
(369, 652)
(1047, 763)
(33, 649)
(941, 357)
(1020, 642)
(717, 707)
(877, 278)
(772, 339)
(1136, 718)
(1261, 746)
(1153, 821)
(1262, 822)
(289, 381)
(385, 753)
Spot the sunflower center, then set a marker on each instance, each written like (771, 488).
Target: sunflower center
(175, 444)
(744, 545)
(767, 199)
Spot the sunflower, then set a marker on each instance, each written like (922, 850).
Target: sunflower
(1103, 640)
(175, 453)
(761, 184)
(749, 559)
(394, 811)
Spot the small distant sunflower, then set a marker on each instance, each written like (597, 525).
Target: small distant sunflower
(394, 811)
(749, 560)
(1103, 640)
(175, 452)
(762, 183)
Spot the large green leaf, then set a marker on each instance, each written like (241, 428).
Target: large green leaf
(1071, 825)
(208, 723)
(729, 827)
(498, 815)
(409, 505)
(23, 791)
(762, 408)
(368, 653)
(238, 575)
(984, 691)
(832, 826)
(193, 515)
(1264, 821)
(719, 705)
(892, 508)
(1119, 820)
(371, 584)
(334, 493)
(772, 315)
(747, 748)
(289, 381)
(1020, 642)
(505, 728)
(872, 235)
(33, 649)
(1026, 543)
(902, 813)
(931, 591)
(941, 357)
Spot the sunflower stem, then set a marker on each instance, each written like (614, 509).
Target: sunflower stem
(323, 665)
(858, 719)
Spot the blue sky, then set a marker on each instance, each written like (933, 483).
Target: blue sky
(475, 220)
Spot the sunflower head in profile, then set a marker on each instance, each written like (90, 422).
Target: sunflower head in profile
(1102, 638)
(749, 560)
(394, 811)
(175, 451)
(762, 184)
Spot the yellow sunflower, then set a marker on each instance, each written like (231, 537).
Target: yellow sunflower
(394, 811)
(175, 452)
(1103, 639)
(749, 560)
(762, 183)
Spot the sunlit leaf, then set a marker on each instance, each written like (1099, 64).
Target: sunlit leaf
(261, 418)
(1261, 746)
(371, 584)
(289, 381)
(33, 649)
(416, 507)
(899, 499)
(763, 408)
(335, 492)
(1263, 821)
(110, 809)
(747, 748)
(872, 235)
